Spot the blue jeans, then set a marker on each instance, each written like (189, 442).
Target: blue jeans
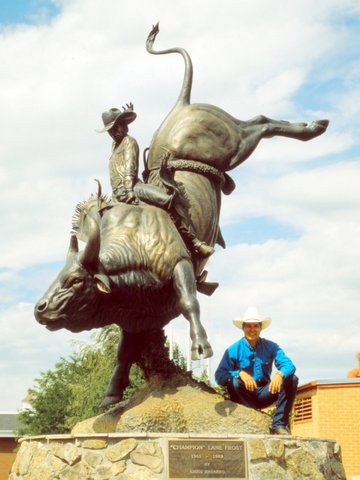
(262, 398)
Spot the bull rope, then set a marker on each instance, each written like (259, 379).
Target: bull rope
(168, 161)
(197, 167)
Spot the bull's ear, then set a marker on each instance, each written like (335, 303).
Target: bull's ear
(102, 283)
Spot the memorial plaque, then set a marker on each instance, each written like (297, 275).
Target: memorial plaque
(206, 459)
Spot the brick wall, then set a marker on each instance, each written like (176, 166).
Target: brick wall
(7, 456)
(339, 411)
(335, 415)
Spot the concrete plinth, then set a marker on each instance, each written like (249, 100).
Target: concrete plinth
(141, 456)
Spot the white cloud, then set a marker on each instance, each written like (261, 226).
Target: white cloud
(323, 198)
(26, 349)
(56, 80)
(281, 153)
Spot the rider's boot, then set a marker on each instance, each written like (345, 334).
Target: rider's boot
(179, 212)
(202, 248)
(187, 232)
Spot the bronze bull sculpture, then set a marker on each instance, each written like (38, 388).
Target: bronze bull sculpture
(135, 270)
(205, 141)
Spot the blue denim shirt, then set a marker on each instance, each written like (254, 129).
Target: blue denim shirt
(257, 361)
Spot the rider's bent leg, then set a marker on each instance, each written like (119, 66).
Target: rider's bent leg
(153, 195)
(186, 230)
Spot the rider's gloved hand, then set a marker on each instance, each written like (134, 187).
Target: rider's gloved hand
(131, 198)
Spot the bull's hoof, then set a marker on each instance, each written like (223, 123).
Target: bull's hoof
(110, 400)
(316, 128)
(201, 350)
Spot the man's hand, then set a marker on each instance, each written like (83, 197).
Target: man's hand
(130, 197)
(276, 382)
(248, 380)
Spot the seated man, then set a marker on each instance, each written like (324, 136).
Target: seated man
(245, 369)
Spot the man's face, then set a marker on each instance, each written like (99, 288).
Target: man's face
(118, 131)
(252, 331)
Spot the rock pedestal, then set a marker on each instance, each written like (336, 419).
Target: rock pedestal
(146, 457)
(134, 441)
(180, 405)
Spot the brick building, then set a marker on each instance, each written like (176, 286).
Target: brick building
(8, 424)
(330, 409)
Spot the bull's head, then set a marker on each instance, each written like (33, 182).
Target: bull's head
(72, 300)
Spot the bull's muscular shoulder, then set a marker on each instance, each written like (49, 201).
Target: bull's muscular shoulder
(200, 132)
(137, 239)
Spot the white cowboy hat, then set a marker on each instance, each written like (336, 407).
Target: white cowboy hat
(250, 316)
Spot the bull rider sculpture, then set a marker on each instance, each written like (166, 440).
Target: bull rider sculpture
(136, 270)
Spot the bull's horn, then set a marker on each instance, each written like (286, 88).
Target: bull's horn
(90, 256)
(73, 247)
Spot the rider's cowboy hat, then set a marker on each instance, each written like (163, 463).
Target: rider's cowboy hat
(250, 316)
(115, 115)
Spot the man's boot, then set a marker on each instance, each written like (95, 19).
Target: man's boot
(202, 248)
(187, 232)
(179, 212)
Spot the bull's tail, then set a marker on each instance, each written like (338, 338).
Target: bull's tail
(185, 92)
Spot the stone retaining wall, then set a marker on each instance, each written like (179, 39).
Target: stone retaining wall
(145, 457)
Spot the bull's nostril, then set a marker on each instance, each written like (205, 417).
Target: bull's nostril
(42, 306)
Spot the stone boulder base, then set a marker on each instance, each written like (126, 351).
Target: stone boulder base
(131, 442)
(178, 406)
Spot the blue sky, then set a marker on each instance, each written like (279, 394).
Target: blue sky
(292, 224)
(14, 12)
